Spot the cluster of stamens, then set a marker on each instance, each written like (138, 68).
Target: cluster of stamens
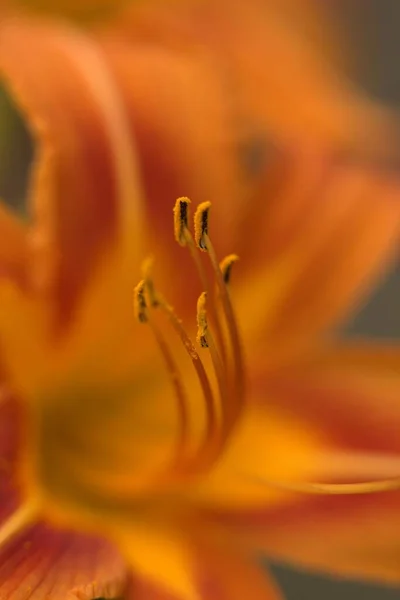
(217, 333)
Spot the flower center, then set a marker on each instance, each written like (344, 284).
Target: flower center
(217, 334)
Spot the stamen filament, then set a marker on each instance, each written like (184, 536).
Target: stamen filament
(368, 487)
(211, 433)
(238, 392)
(206, 340)
(207, 287)
(212, 425)
(139, 303)
(142, 315)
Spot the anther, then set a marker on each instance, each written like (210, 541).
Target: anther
(181, 217)
(147, 267)
(139, 302)
(226, 267)
(202, 324)
(201, 225)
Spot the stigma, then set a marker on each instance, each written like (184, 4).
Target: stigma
(215, 352)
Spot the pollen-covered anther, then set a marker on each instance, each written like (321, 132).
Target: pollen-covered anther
(201, 225)
(139, 302)
(181, 218)
(202, 324)
(226, 267)
(147, 268)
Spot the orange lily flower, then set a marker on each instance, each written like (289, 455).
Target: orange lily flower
(105, 444)
(130, 431)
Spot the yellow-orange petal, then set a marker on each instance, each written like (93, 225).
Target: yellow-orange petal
(84, 171)
(45, 563)
(349, 394)
(268, 444)
(336, 244)
(182, 558)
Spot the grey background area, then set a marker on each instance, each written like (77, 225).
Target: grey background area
(373, 26)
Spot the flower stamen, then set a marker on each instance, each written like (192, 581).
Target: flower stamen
(221, 405)
(211, 433)
(327, 489)
(203, 241)
(226, 266)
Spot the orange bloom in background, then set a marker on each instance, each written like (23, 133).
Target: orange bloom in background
(112, 427)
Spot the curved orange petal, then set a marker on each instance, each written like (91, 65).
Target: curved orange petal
(269, 445)
(226, 575)
(354, 536)
(331, 234)
(84, 169)
(41, 560)
(187, 560)
(44, 563)
(350, 395)
(348, 390)
(202, 117)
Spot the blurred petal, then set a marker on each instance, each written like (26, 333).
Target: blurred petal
(180, 116)
(348, 391)
(44, 563)
(241, 39)
(268, 444)
(161, 553)
(13, 249)
(204, 107)
(176, 567)
(10, 432)
(84, 170)
(224, 575)
(355, 536)
(328, 240)
(350, 395)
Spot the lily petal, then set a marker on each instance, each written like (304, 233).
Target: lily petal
(9, 437)
(240, 38)
(84, 169)
(228, 576)
(193, 569)
(43, 563)
(180, 115)
(13, 248)
(267, 445)
(350, 395)
(204, 108)
(339, 232)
